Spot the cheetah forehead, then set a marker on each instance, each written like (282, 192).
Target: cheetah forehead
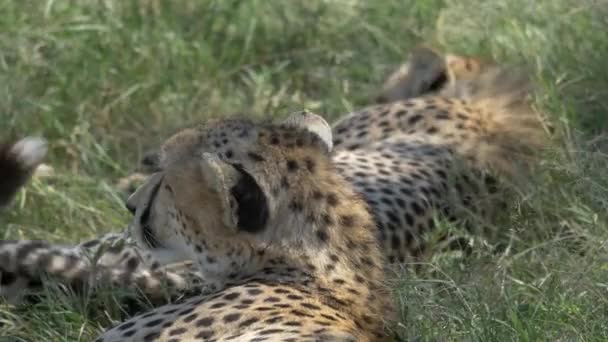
(236, 139)
(213, 136)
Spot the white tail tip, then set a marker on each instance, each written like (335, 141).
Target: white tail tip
(30, 151)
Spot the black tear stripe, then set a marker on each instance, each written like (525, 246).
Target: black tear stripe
(147, 234)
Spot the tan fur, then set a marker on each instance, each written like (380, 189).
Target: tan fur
(511, 130)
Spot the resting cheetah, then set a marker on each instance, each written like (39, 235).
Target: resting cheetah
(405, 157)
(285, 245)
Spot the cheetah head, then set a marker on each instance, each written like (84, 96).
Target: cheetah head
(427, 72)
(222, 190)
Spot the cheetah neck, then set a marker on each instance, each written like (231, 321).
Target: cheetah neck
(330, 241)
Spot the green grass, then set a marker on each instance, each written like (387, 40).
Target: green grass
(106, 80)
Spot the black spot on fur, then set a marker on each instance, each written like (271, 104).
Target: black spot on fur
(270, 331)
(218, 305)
(310, 164)
(154, 323)
(418, 210)
(255, 157)
(29, 248)
(295, 206)
(414, 119)
(248, 322)
(409, 219)
(232, 317)
(442, 116)
(310, 306)
(151, 337)
(129, 333)
(322, 235)
(204, 322)
(232, 296)
(292, 165)
(327, 219)
(205, 335)
(284, 183)
(191, 317)
(254, 292)
(177, 331)
(332, 199)
(293, 324)
(347, 220)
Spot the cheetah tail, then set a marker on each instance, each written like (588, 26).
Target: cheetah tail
(512, 132)
(25, 264)
(17, 163)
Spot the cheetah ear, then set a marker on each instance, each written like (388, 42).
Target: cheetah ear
(314, 123)
(425, 72)
(243, 202)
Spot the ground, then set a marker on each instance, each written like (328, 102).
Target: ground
(106, 81)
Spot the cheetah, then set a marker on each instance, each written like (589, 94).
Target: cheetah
(285, 245)
(430, 151)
